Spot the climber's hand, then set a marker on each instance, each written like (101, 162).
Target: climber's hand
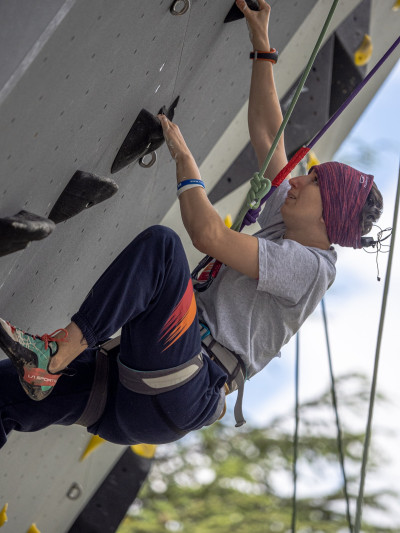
(257, 22)
(174, 138)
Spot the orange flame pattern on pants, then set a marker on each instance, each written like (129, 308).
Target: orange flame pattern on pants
(181, 318)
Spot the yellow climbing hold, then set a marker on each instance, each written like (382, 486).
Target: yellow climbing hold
(396, 6)
(363, 53)
(94, 443)
(144, 450)
(228, 221)
(312, 159)
(3, 515)
(33, 529)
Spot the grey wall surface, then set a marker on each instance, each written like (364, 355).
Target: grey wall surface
(73, 77)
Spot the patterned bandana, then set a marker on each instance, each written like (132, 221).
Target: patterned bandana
(344, 191)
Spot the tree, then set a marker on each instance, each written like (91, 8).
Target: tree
(224, 479)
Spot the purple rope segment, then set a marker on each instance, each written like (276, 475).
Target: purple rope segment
(353, 94)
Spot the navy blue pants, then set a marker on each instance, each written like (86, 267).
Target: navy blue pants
(146, 291)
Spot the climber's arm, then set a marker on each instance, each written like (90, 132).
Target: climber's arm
(205, 227)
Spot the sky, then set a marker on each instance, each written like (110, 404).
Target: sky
(353, 307)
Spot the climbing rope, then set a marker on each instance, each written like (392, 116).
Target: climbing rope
(297, 422)
(296, 435)
(376, 364)
(338, 425)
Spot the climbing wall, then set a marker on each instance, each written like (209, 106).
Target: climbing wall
(74, 76)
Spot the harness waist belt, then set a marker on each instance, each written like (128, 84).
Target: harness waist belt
(148, 382)
(230, 363)
(158, 381)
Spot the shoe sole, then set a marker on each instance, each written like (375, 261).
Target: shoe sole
(21, 358)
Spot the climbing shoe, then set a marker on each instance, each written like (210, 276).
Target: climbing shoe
(31, 356)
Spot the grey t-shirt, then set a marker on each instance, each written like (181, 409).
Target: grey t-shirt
(255, 318)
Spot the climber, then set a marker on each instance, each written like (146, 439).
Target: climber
(171, 375)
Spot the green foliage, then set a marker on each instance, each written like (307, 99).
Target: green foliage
(224, 479)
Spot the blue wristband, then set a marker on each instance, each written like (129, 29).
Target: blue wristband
(191, 182)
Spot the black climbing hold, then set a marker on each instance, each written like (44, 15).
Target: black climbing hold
(144, 137)
(83, 191)
(236, 14)
(17, 231)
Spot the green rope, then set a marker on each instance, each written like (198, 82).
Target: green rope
(375, 373)
(244, 208)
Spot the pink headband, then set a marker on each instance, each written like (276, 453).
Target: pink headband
(344, 191)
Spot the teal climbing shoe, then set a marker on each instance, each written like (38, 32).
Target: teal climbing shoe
(31, 356)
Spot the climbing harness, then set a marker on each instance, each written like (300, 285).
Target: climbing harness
(159, 381)
(231, 364)
(248, 215)
(149, 383)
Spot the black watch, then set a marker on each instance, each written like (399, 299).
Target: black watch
(271, 56)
